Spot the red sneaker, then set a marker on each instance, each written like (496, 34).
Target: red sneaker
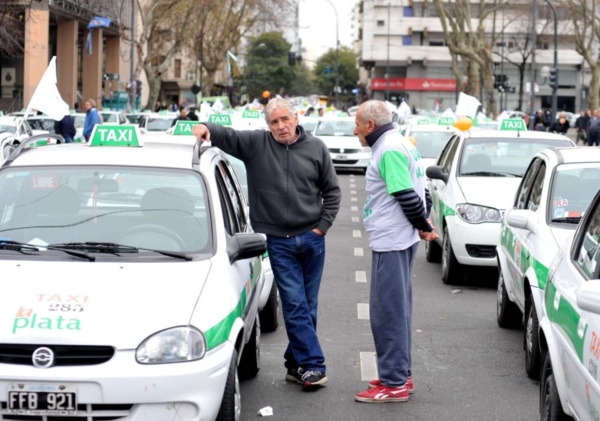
(382, 394)
(409, 384)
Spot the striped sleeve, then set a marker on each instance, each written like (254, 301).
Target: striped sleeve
(413, 208)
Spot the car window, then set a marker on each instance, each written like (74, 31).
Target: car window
(573, 188)
(533, 203)
(589, 252)
(501, 156)
(158, 124)
(233, 198)
(449, 158)
(525, 186)
(334, 128)
(431, 144)
(140, 207)
(5, 128)
(109, 118)
(445, 151)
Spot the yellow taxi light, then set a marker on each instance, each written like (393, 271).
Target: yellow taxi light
(463, 123)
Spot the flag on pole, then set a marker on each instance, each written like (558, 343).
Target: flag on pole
(231, 56)
(96, 22)
(46, 97)
(467, 105)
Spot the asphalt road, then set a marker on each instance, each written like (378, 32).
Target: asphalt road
(464, 366)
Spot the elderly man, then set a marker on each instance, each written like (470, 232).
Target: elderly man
(294, 197)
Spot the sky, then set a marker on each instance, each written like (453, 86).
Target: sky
(317, 26)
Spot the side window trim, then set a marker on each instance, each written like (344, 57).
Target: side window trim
(527, 181)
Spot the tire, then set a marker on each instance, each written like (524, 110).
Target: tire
(532, 343)
(231, 404)
(433, 252)
(550, 406)
(452, 271)
(269, 314)
(250, 361)
(508, 315)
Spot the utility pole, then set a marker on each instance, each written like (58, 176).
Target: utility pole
(132, 83)
(387, 71)
(555, 65)
(337, 57)
(533, 70)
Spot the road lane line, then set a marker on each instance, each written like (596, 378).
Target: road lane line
(363, 311)
(353, 199)
(354, 208)
(352, 191)
(356, 233)
(355, 219)
(361, 276)
(368, 366)
(358, 251)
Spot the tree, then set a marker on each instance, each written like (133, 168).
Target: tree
(348, 72)
(268, 68)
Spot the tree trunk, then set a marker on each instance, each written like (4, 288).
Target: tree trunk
(594, 85)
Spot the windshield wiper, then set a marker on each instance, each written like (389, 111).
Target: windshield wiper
(115, 248)
(21, 247)
(568, 219)
(485, 174)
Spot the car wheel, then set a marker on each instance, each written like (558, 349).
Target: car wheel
(507, 313)
(231, 405)
(452, 271)
(433, 252)
(532, 344)
(269, 314)
(250, 361)
(550, 406)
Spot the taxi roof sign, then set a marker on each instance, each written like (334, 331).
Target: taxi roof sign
(116, 135)
(222, 119)
(185, 127)
(423, 121)
(250, 114)
(445, 121)
(513, 124)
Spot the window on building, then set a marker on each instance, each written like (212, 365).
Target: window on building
(408, 12)
(380, 23)
(406, 40)
(436, 43)
(177, 68)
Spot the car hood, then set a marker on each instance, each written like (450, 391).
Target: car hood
(494, 192)
(115, 304)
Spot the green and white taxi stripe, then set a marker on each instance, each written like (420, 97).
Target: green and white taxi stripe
(507, 239)
(442, 208)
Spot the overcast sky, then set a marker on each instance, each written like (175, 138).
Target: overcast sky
(317, 25)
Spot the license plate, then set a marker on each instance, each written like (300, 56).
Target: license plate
(342, 157)
(42, 399)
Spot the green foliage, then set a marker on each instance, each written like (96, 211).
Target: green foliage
(267, 67)
(348, 71)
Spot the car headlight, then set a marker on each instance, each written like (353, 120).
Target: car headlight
(475, 214)
(178, 344)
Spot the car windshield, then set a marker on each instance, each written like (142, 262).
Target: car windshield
(309, 125)
(129, 206)
(573, 188)
(79, 121)
(42, 124)
(4, 128)
(134, 118)
(501, 157)
(334, 128)
(159, 124)
(431, 144)
(110, 118)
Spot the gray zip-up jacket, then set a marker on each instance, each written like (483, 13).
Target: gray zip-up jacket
(292, 189)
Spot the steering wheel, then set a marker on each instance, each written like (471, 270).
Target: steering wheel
(146, 229)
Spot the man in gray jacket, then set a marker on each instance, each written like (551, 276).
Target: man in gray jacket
(294, 197)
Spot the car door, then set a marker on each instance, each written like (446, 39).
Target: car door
(577, 332)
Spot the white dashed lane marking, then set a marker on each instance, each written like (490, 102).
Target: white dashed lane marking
(354, 208)
(368, 366)
(361, 276)
(363, 311)
(355, 219)
(358, 251)
(356, 234)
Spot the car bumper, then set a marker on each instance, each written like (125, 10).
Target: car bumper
(474, 244)
(352, 160)
(190, 391)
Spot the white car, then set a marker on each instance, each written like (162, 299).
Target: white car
(343, 145)
(139, 279)
(570, 326)
(113, 117)
(18, 127)
(554, 193)
(474, 181)
(430, 139)
(155, 123)
(46, 124)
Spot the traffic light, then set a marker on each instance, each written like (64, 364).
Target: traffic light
(138, 87)
(291, 58)
(500, 81)
(553, 79)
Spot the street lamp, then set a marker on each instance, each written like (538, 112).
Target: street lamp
(554, 71)
(337, 57)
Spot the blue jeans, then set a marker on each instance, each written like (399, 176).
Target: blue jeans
(297, 264)
(390, 311)
(68, 139)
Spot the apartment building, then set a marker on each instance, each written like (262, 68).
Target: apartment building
(403, 54)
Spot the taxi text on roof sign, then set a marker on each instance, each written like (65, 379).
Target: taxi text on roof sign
(445, 121)
(185, 127)
(250, 114)
(116, 135)
(513, 124)
(223, 119)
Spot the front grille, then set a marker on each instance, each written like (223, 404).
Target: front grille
(64, 355)
(85, 412)
(478, 250)
(344, 150)
(344, 161)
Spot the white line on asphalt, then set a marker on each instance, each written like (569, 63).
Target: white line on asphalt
(352, 186)
(363, 311)
(356, 233)
(353, 199)
(358, 251)
(355, 219)
(354, 208)
(368, 366)
(352, 191)
(361, 276)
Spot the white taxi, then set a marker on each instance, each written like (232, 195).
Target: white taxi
(138, 281)
(554, 193)
(430, 138)
(474, 181)
(570, 326)
(344, 147)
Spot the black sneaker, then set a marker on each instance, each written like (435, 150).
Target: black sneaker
(295, 375)
(312, 379)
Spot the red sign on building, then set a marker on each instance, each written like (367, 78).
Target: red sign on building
(413, 84)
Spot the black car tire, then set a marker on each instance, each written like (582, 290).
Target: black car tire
(532, 343)
(231, 404)
(269, 321)
(452, 271)
(550, 406)
(508, 314)
(250, 361)
(433, 252)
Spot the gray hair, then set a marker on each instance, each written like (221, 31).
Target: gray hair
(376, 111)
(278, 103)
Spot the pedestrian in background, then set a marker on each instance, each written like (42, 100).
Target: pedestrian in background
(92, 117)
(395, 218)
(581, 124)
(561, 125)
(182, 116)
(66, 128)
(309, 112)
(594, 129)
(294, 203)
(192, 114)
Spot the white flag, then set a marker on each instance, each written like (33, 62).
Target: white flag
(46, 97)
(467, 105)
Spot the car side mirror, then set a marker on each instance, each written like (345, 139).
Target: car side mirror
(246, 245)
(522, 219)
(588, 297)
(436, 172)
